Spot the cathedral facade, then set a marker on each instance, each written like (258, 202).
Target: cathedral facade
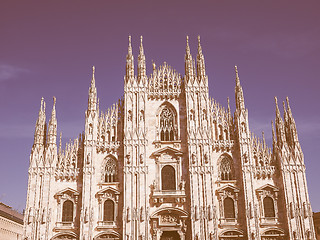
(167, 162)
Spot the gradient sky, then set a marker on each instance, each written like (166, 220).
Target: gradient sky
(47, 49)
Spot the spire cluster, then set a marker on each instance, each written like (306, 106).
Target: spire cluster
(285, 128)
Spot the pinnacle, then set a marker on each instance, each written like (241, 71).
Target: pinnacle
(237, 75)
(129, 47)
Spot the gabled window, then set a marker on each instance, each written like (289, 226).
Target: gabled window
(168, 178)
(229, 211)
(268, 206)
(108, 213)
(67, 211)
(226, 168)
(111, 170)
(167, 125)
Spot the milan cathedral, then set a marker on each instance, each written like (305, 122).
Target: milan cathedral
(167, 162)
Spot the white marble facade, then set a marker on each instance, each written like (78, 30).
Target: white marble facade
(167, 162)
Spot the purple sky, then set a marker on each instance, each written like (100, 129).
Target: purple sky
(47, 49)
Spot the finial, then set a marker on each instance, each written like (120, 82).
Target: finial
(93, 70)
(264, 139)
(54, 101)
(288, 104)
(236, 69)
(188, 48)
(153, 65)
(129, 47)
(284, 107)
(41, 105)
(277, 107)
(237, 76)
(199, 44)
(141, 38)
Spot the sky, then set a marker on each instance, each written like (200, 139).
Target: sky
(47, 48)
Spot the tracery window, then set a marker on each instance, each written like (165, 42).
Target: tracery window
(168, 178)
(167, 125)
(67, 211)
(226, 169)
(268, 207)
(111, 170)
(108, 213)
(229, 211)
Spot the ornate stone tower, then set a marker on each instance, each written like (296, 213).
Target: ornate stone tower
(167, 162)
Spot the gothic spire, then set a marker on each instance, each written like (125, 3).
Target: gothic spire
(92, 100)
(129, 66)
(188, 62)
(291, 123)
(279, 125)
(239, 92)
(274, 140)
(229, 112)
(39, 134)
(141, 62)
(201, 69)
(52, 128)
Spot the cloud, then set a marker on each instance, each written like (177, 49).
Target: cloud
(8, 72)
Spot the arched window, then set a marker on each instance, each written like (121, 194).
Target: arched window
(226, 169)
(229, 208)
(67, 211)
(168, 177)
(268, 207)
(108, 213)
(167, 125)
(111, 170)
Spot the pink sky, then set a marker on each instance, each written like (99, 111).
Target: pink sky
(47, 49)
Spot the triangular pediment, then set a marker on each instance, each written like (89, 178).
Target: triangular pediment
(108, 189)
(267, 186)
(228, 187)
(167, 150)
(68, 191)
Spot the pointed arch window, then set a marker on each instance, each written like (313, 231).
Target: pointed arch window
(167, 124)
(268, 206)
(229, 211)
(226, 169)
(111, 170)
(67, 211)
(108, 213)
(168, 178)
